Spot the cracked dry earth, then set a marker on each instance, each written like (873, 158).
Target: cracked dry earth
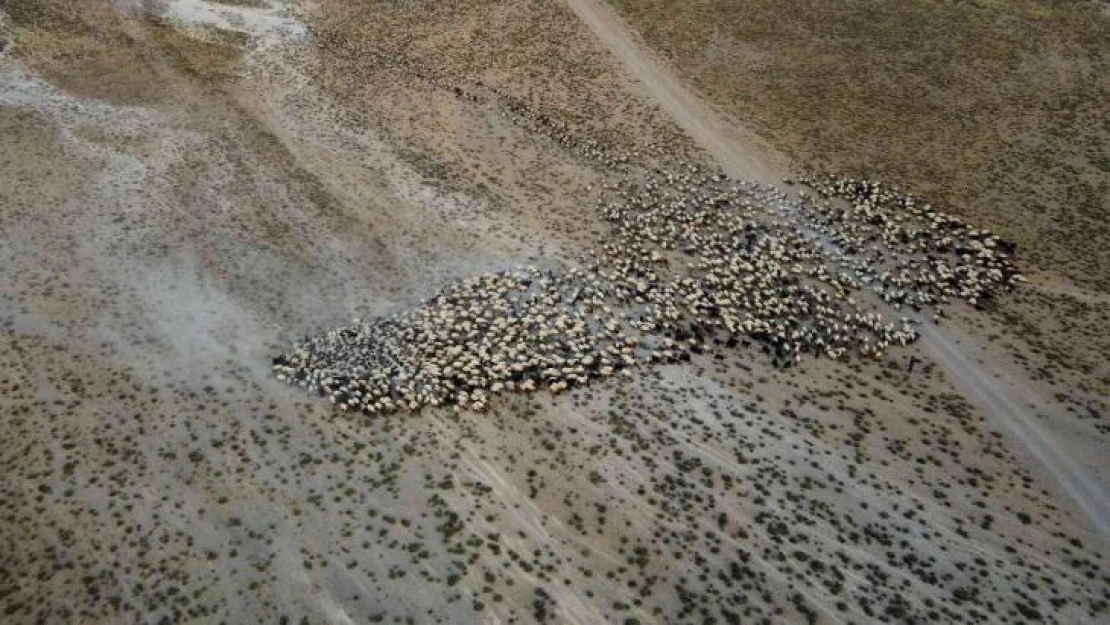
(161, 243)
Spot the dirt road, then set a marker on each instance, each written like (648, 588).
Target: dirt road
(740, 155)
(994, 397)
(736, 149)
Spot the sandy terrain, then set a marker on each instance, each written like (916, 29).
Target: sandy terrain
(278, 168)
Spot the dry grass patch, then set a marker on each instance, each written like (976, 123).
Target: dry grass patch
(91, 49)
(537, 52)
(997, 108)
(398, 64)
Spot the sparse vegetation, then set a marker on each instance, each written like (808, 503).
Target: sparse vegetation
(997, 108)
(93, 50)
(162, 234)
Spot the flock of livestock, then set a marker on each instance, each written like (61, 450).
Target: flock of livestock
(693, 263)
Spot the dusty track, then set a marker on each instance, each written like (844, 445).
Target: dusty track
(1087, 490)
(737, 151)
(740, 155)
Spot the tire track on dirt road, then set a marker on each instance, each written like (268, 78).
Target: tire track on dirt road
(740, 155)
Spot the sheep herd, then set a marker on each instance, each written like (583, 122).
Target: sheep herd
(692, 262)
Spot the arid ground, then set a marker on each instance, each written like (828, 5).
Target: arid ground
(188, 187)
